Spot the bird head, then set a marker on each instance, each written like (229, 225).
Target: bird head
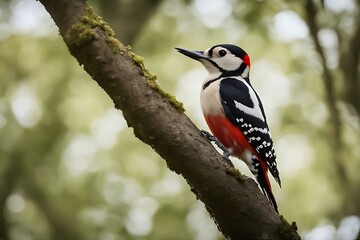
(222, 59)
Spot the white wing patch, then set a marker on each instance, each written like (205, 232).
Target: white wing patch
(254, 111)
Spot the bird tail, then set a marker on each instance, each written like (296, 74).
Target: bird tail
(275, 173)
(264, 182)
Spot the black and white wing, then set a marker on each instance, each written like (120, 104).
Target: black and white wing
(244, 109)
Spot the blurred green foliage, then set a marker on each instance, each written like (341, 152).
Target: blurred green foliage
(71, 168)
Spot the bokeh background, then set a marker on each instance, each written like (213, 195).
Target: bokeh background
(70, 168)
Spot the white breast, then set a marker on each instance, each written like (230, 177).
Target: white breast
(210, 100)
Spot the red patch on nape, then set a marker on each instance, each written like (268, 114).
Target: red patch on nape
(246, 60)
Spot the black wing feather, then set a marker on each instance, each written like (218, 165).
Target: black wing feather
(256, 130)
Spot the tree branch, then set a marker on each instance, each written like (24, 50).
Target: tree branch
(311, 15)
(120, 15)
(349, 60)
(235, 202)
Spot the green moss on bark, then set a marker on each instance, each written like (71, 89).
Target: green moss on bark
(153, 83)
(235, 173)
(287, 230)
(84, 31)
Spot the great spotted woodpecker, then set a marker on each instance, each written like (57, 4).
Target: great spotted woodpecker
(234, 112)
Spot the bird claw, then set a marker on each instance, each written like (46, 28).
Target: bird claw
(211, 138)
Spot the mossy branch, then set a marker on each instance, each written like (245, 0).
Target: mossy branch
(84, 31)
(238, 207)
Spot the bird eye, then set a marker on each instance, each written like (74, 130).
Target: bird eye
(222, 53)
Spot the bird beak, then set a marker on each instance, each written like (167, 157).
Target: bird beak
(197, 55)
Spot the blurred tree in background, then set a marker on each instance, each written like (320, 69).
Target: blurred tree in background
(71, 169)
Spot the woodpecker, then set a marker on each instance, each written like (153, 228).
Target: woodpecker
(234, 112)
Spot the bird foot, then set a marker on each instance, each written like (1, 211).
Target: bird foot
(211, 138)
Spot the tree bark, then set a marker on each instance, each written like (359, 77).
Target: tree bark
(239, 209)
